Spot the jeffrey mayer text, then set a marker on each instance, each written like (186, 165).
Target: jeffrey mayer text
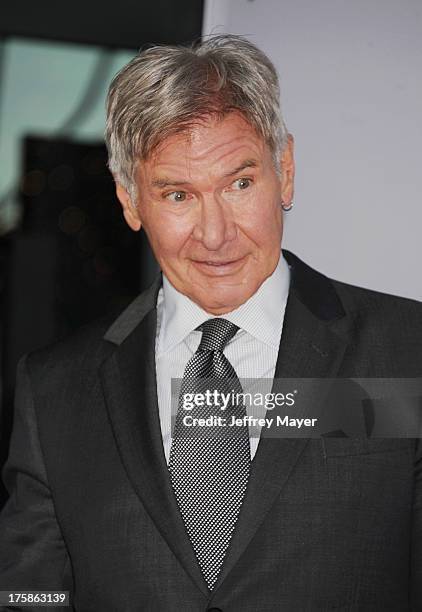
(284, 421)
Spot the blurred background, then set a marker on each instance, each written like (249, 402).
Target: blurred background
(351, 95)
(66, 254)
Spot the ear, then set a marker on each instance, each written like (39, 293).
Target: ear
(287, 165)
(130, 210)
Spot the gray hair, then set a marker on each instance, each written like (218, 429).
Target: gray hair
(165, 90)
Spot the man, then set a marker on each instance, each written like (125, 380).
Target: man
(110, 502)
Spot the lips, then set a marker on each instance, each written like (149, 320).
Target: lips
(218, 263)
(219, 268)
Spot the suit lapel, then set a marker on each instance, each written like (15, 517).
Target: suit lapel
(309, 348)
(129, 384)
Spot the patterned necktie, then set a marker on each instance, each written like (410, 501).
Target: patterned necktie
(209, 466)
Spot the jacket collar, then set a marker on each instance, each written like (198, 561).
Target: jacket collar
(314, 290)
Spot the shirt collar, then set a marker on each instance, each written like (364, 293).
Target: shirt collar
(261, 315)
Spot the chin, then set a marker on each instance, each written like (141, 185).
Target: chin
(218, 301)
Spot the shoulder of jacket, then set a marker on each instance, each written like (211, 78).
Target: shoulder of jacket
(397, 319)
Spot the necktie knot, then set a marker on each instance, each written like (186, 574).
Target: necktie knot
(215, 334)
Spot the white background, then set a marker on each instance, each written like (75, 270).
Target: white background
(351, 85)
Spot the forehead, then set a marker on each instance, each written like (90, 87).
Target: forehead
(211, 144)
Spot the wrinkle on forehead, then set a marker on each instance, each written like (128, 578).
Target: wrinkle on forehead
(207, 142)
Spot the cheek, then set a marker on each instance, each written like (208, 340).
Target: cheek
(167, 236)
(263, 223)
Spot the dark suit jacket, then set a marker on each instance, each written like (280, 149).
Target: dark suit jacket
(326, 524)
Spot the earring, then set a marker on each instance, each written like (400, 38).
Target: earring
(286, 207)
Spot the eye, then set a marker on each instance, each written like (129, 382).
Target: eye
(176, 196)
(242, 183)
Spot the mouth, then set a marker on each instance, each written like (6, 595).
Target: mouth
(219, 268)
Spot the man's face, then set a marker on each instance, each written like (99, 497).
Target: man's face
(210, 203)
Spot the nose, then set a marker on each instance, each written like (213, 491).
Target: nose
(215, 225)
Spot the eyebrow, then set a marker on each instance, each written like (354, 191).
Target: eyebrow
(163, 182)
(247, 163)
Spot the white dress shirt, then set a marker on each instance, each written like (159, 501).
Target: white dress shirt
(252, 352)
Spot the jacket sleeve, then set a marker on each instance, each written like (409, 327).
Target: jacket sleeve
(416, 556)
(33, 554)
